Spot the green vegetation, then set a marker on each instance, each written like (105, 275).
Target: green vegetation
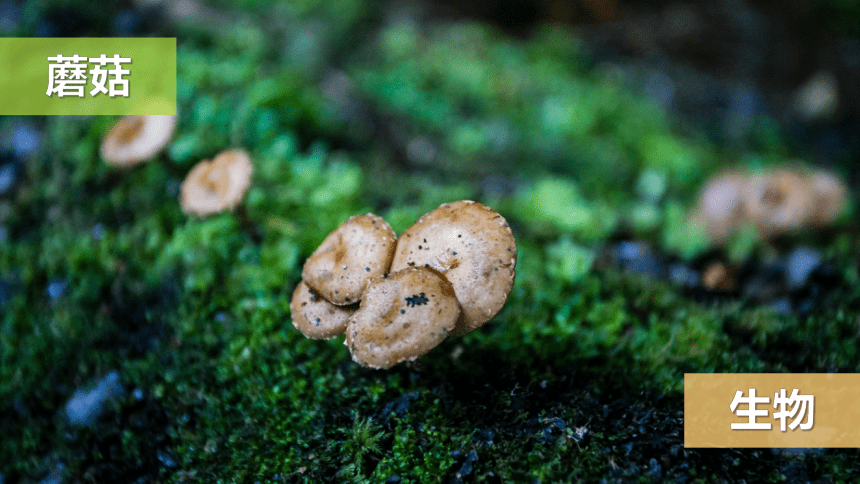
(346, 111)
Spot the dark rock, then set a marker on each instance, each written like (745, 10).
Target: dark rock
(496, 186)
(166, 459)
(766, 283)
(399, 406)
(557, 423)
(8, 173)
(46, 28)
(86, 406)
(173, 187)
(782, 305)
(638, 257)
(56, 475)
(6, 292)
(10, 19)
(467, 466)
(25, 140)
(683, 275)
(656, 469)
(421, 150)
(56, 288)
(794, 471)
(805, 305)
(20, 407)
(744, 105)
(126, 23)
(800, 265)
(660, 88)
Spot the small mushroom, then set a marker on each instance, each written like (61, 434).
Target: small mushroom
(473, 247)
(217, 185)
(830, 197)
(315, 317)
(357, 251)
(717, 277)
(137, 138)
(779, 201)
(721, 204)
(403, 315)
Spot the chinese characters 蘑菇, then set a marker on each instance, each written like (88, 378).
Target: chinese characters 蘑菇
(67, 75)
(789, 407)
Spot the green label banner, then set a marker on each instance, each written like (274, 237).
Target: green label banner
(89, 76)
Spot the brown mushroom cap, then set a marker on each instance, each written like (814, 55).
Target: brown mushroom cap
(718, 278)
(721, 204)
(778, 201)
(137, 138)
(357, 251)
(830, 197)
(315, 317)
(217, 185)
(473, 247)
(403, 315)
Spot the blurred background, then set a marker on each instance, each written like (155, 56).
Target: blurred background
(141, 344)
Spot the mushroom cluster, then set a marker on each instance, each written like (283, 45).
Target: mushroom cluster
(398, 298)
(776, 202)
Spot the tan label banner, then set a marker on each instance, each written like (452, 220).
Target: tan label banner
(772, 410)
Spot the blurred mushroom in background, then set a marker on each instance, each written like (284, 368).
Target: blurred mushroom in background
(778, 201)
(830, 197)
(135, 139)
(217, 185)
(721, 204)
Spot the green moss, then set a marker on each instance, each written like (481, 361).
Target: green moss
(554, 203)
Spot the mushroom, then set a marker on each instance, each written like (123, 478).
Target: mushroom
(137, 138)
(721, 204)
(402, 316)
(473, 247)
(217, 185)
(315, 317)
(778, 201)
(357, 251)
(830, 197)
(717, 277)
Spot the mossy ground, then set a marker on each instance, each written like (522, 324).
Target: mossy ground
(349, 107)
